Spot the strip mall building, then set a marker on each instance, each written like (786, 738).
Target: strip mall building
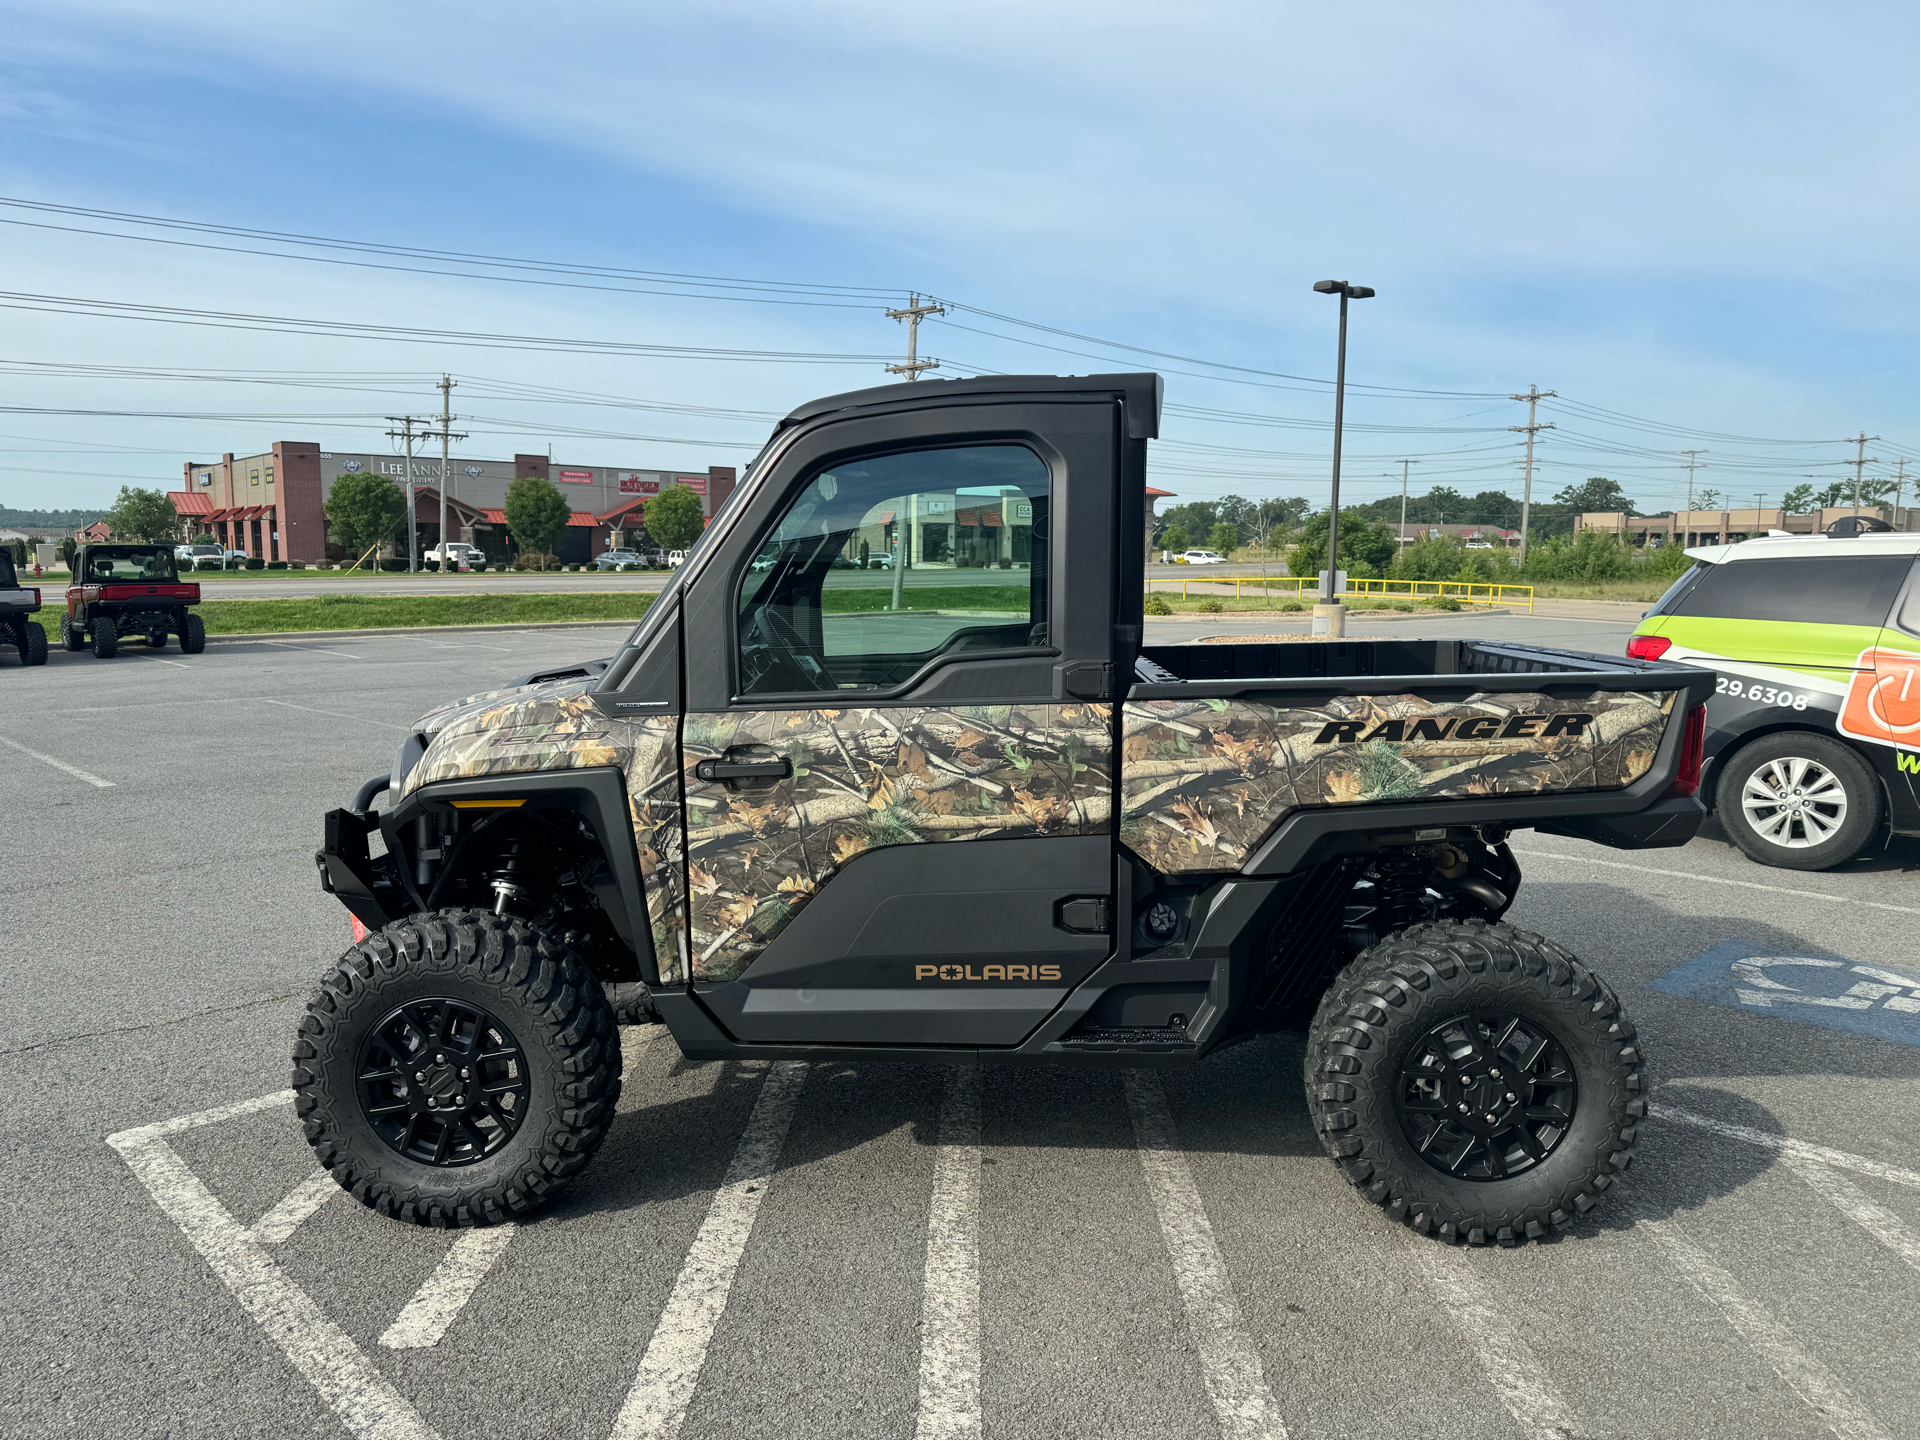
(270, 505)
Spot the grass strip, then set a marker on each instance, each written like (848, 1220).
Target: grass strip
(930, 597)
(387, 612)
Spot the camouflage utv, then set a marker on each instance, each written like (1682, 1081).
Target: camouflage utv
(960, 810)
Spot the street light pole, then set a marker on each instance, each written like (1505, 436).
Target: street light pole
(1328, 615)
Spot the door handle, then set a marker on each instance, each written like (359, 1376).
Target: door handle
(780, 768)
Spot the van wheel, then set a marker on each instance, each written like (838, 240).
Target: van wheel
(1798, 800)
(1476, 1081)
(457, 1068)
(106, 640)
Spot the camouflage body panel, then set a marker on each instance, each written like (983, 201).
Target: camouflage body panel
(1203, 782)
(556, 727)
(865, 778)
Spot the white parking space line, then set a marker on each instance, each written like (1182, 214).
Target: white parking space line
(1507, 1360)
(88, 776)
(670, 1369)
(950, 1331)
(1847, 1198)
(326, 1355)
(1769, 1339)
(294, 1208)
(336, 714)
(1776, 890)
(311, 649)
(440, 1298)
(1788, 1146)
(1230, 1366)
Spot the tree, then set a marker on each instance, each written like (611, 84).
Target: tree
(1707, 500)
(536, 514)
(1596, 493)
(673, 518)
(145, 515)
(1366, 547)
(205, 538)
(1225, 537)
(363, 510)
(1174, 538)
(1798, 499)
(1195, 518)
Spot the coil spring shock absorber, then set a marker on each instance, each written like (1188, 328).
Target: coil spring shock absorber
(508, 876)
(1400, 882)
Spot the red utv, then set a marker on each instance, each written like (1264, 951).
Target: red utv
(129, 590)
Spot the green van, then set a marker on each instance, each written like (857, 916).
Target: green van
(1812, 730)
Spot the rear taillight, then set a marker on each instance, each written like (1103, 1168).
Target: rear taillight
(1687, 774)
(1648, 647)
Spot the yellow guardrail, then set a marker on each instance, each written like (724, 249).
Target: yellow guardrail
(1300, 587)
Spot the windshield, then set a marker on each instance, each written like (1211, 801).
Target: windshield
(125, 563)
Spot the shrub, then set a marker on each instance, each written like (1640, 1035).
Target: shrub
(477, 566)
(1402, 605)
(254, 562)
(276, 565)
(393, 565)
(1210, 606)
(324, 565)
(574, 568)
(1154, 605)
(1293, 607)
(206, 563)
(1441, 602)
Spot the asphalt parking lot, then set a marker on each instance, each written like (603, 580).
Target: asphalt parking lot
(876, 1250)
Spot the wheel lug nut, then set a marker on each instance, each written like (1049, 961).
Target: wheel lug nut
(420, 1075)
(441, 1059)
(1464, 1107)
(1510, 1098)
(465, 1073)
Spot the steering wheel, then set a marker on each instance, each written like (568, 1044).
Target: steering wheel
(790, 661)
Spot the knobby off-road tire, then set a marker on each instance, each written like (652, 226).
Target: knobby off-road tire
(533, 990)
(33, 643)
(632, 1002)
(106, 640)
(71, 635)
(193, 635)
(1381, 1017)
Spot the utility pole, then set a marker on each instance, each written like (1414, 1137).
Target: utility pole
(1900, 477)
(1404, 465)
(406, 432)
(913, 313)
(1533, 397)
(447, 435)
(1687, 516)
(1861, 458)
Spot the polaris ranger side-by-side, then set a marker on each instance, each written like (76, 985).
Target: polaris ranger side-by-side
(18, 604)
(962, 810)
(129, 590)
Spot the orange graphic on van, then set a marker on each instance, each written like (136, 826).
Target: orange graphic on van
(1884, 703)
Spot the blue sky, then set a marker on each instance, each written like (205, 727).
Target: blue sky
(1701, 216)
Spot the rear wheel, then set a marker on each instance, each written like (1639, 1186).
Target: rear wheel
(33, 643)
(72, 636)
(1798, 800)
(157, 639)
(193, 634)
(1476, 1081)
(106, 640)
(455, 1069)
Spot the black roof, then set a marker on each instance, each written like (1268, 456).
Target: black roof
(1141, 392)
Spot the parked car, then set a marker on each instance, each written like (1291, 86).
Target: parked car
(612, 559)
(1200, 557)
(675, 557)
(193, 554)
(1812, 738)
(454, 553)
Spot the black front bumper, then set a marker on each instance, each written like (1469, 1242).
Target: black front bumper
(363, 883)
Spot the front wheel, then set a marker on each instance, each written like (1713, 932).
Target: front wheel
(1798, 800)
(457, 1068)
(193, 635)
(72, 637)
(33, 643)
(1476, 1081)
(106, 640)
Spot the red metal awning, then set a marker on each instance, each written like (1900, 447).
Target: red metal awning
(190, 502)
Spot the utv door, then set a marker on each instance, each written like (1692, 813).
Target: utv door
(898, 735)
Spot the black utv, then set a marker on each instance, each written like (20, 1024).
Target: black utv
(964, 811)
(18, 603)
(129, 590)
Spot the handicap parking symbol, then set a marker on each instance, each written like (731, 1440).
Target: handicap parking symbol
(1820, 990)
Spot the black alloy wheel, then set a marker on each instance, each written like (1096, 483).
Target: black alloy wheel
(443, 1082)
(1486, 1096)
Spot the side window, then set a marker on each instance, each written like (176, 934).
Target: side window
(1833, 590)
(883, 563)
(1909, 615)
